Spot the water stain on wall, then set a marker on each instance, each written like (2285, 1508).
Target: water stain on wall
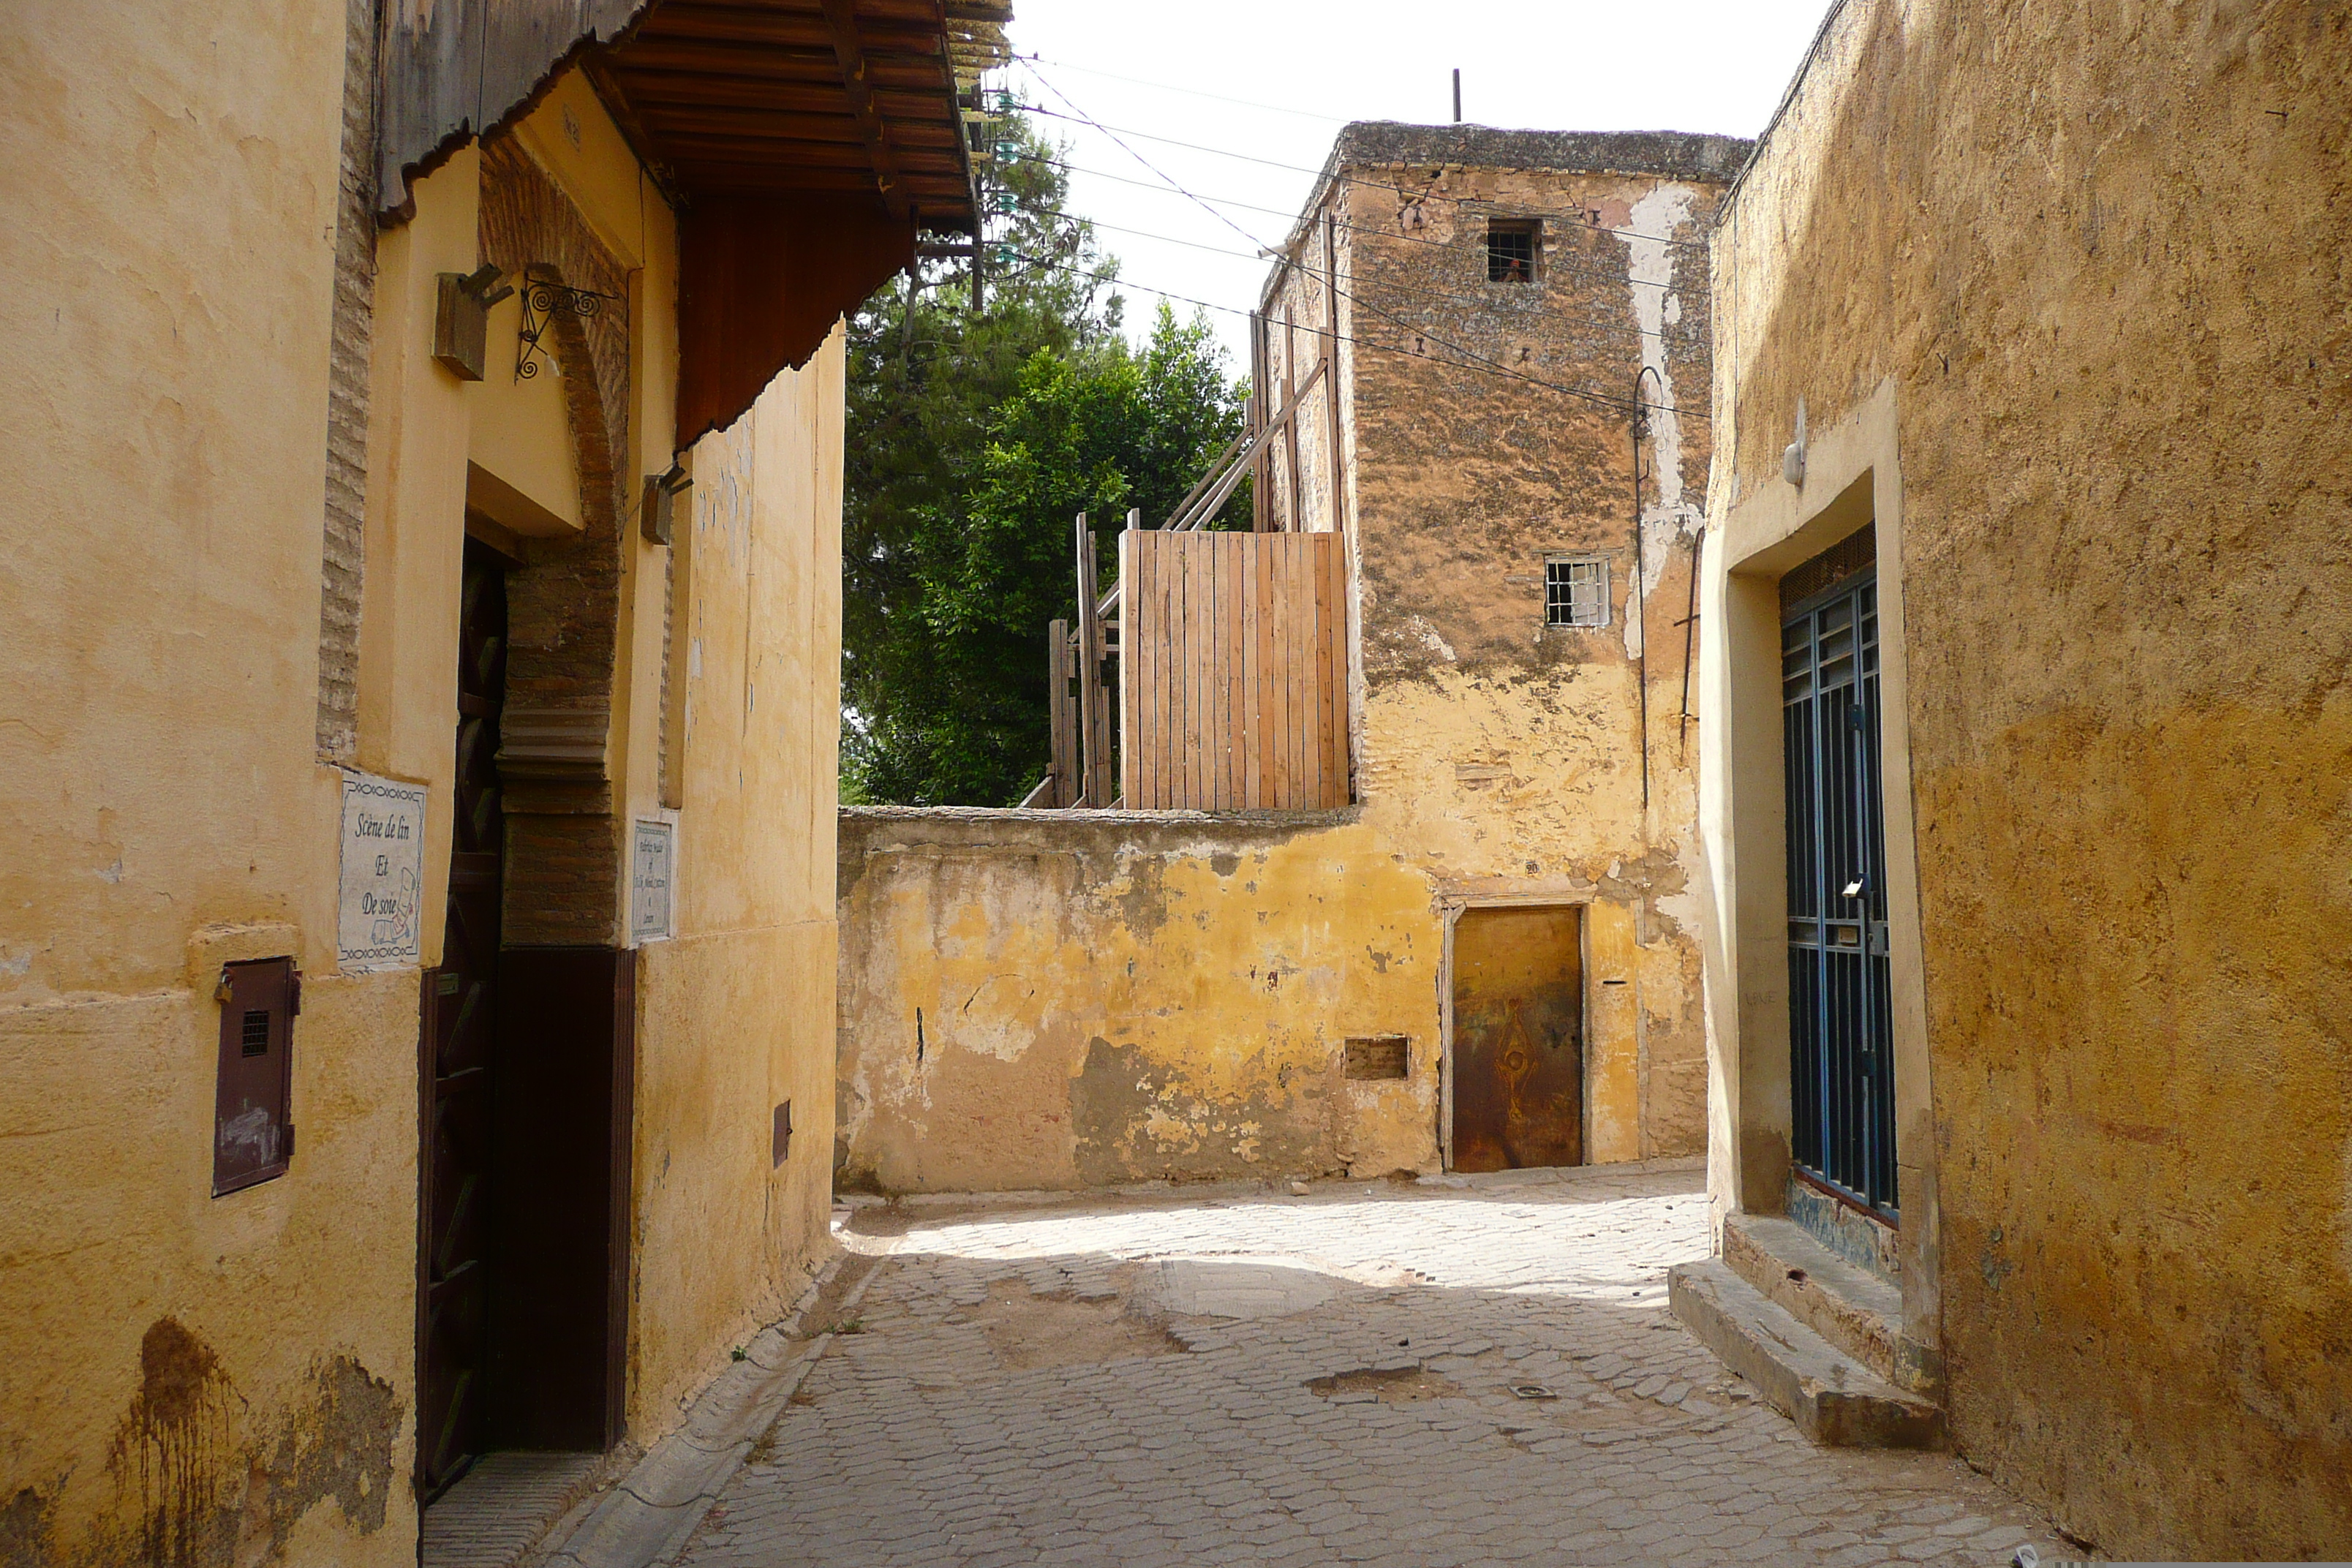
(190, 1494)
(173, 1452)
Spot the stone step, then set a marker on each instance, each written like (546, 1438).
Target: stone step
(1832, 1396)
(1852, 1308)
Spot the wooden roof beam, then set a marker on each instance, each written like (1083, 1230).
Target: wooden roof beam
(841, 18)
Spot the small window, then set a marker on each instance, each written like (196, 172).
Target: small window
(1512, 246)
(1576, 592)
(1375, 1057)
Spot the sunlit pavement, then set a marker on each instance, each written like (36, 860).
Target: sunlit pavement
(1381, 1373)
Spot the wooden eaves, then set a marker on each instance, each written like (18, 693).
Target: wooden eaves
(804, 144)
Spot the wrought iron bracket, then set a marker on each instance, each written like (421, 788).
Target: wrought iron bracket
(541, 303)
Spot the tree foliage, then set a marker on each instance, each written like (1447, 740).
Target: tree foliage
(974, 440)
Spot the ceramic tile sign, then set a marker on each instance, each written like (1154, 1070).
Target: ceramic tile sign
(653, 856)
(381, 925)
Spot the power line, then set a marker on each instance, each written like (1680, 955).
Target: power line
(1622, 405)
(1115, 132)
(1317, 272)
(1190, 91)
(1333, 282)
(1147, 163)
(1447, 246)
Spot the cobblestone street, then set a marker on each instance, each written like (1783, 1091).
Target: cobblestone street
(1397, 1373)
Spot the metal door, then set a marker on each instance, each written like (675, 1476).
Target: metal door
(1518, 1038)
(1841, 1065)
(460, 1016)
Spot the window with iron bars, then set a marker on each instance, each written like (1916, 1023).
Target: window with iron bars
(1576, 591)
(1512, 247)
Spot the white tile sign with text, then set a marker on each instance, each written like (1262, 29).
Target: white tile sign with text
(381, 924)
(652, 859)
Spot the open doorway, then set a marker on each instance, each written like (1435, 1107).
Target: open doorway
(460, 1048)
(1518, 1057)
(528, 1066)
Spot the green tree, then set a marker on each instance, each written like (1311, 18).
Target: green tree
(974, 439)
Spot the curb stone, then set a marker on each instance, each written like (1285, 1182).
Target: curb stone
(648, 1517)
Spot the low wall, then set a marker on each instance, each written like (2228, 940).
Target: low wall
(1034, 999)
(1049, 999)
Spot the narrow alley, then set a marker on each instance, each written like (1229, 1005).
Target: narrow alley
(1453, 1371)
(1286, 783)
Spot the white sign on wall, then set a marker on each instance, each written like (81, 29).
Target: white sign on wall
(381, 924)
(653, 859)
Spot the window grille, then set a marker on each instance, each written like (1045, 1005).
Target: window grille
(1576, 592)
(1512, 251)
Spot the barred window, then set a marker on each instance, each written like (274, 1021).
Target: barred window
(1513, 248)
(1576, 591)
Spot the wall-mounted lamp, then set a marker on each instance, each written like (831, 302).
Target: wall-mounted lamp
(542, 301)
(658, 514)
(1792, 457)
(461, 323)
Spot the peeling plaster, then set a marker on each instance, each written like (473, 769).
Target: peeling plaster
(1650, 277)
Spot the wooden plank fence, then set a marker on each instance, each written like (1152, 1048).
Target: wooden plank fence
(1233, 671)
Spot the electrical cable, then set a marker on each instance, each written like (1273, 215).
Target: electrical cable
(1475, 362)
(1114, 133)
(1333, 283)
(1317, 272)
(1351, 227)
(1188, 91)
(1172, 184)
(1421, 332)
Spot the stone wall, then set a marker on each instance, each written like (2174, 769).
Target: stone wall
(1034, 999)
(2066, 286)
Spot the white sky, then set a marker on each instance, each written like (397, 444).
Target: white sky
(1565, 65)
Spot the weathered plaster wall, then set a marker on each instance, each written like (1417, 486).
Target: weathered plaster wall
(1036, 999)
(181, 1377)
(737, 1010)
(1501, 757)
(2094, 256)
(1064, 999)
(185, 1379)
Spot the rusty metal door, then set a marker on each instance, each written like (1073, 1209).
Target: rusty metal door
(1518, 1038)
(460, 1014)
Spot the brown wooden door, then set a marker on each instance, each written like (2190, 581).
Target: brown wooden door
(1518, 1038)
(459, 1034)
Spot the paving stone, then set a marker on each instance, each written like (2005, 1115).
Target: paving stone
(1249, 1379)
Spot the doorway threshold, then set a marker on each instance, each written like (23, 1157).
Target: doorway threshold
(500, 1512)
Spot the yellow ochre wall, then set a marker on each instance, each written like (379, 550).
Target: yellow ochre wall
(236, 1375)
(2066, 285)
(1034, 999)
(167, 218)
(736, 1012)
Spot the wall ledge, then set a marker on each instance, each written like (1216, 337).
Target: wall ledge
(1340, 817)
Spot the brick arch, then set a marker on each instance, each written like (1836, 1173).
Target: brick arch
(563, 859)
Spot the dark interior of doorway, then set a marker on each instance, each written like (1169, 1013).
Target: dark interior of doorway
(1518, 1038)
(526, 1080)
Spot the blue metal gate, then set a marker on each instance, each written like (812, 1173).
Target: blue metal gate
(1841, 1065)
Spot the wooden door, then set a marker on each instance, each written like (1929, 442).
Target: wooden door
(460, 1036)
(1518, 1038)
